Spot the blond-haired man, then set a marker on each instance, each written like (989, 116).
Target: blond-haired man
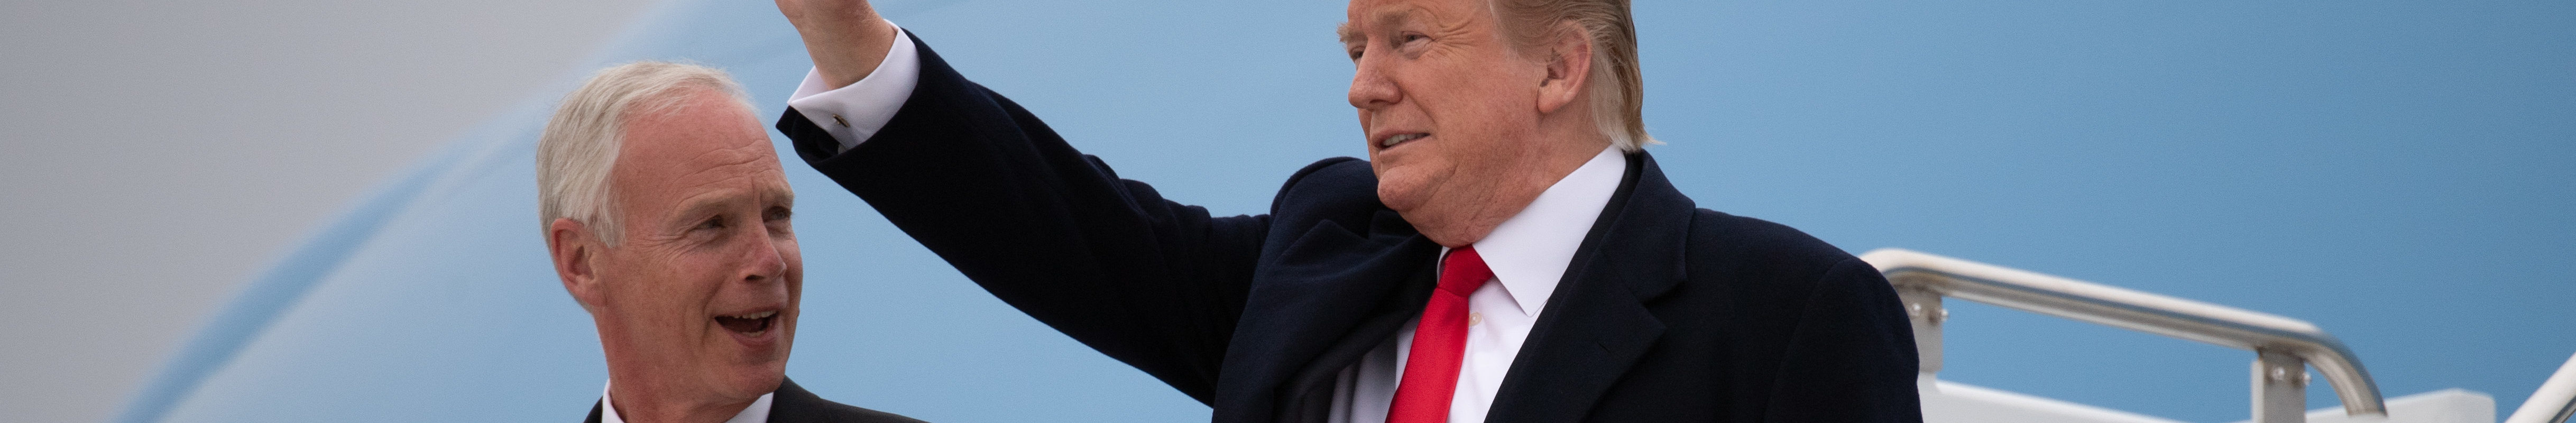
(1507, 253)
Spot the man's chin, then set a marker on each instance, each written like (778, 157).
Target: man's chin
(752, 381)
(1400, 200)
(753, 362)
(1401, 189)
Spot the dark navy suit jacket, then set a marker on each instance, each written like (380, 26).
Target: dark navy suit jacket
(1669, 312)
(793, 404)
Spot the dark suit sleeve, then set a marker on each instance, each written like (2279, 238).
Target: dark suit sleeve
(986, 185)
(1851, 357)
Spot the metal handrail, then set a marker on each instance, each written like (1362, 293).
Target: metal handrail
(2554, 402)
(2281, 343)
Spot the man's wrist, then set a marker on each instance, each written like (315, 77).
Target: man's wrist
(841, 62)
(853, 112)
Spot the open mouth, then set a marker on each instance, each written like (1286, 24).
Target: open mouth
(752, 324)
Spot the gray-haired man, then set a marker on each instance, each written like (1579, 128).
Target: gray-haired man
(666, 213)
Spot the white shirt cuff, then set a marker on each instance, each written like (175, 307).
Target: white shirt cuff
(855, 112)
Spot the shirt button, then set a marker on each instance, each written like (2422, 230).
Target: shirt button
(1473, 318)
(837, 119)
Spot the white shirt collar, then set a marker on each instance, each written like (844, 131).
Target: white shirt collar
(758, 412)
(1530, 251)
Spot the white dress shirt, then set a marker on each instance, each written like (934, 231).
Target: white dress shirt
(758, 412)
(1528, 252)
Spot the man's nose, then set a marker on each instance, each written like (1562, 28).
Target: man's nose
(1370, 88)
(763, 261)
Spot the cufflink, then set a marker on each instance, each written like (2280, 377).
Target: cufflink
(837, 119)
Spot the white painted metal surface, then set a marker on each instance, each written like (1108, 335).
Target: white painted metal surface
(2554, 402)
(1953, 402)
(2284, 346)
(2443, 406)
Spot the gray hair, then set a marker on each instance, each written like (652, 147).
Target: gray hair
(579, 146)
(1618, 90)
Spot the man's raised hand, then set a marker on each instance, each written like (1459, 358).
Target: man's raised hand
(845, 37)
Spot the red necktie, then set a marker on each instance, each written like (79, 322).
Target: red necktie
(1431, 369)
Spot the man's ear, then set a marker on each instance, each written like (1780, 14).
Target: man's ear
(1569, 67)
(573, 245)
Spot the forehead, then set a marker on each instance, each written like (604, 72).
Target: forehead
(705, 135)
(1365, 14)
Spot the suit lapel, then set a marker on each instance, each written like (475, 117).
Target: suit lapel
(1315, 299)
(1596, 325)
(794, 404)
(1309, 394)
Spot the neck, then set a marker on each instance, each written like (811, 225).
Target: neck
(644, 403)
(649, 388)
(1472, 220)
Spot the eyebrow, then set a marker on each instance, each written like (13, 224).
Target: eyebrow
(698, 208)
(694, 210)
(786, 196)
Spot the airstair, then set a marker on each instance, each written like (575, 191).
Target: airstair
(2284, 349)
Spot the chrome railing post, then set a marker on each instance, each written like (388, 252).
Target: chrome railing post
(2280, 388)
(1923, 306)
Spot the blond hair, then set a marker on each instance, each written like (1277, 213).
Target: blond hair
(1618, 90)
